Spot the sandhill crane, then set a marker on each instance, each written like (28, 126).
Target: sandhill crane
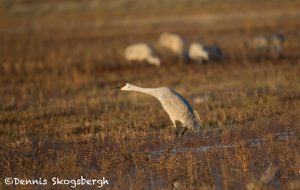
(177, 107)
(271, 44)
(201, 53)
(198, 53)
(175, 44)
(141, 52)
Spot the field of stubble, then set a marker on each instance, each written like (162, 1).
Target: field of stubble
(60, 117)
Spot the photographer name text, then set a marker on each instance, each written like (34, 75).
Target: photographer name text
(73, 183)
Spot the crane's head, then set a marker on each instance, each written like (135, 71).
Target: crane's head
(125, 86)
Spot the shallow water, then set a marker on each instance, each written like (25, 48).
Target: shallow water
(221, 147)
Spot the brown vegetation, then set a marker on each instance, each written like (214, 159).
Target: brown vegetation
(59, 116)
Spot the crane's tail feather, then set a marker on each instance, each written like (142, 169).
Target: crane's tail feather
(198, 122)
(197, 125)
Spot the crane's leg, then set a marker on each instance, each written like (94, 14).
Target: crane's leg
(180, 129)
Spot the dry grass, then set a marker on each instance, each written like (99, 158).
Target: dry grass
(59, 116)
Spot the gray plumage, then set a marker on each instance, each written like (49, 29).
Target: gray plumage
(178, 108)
(269, 44)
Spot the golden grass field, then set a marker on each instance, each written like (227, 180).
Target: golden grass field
(59, 117)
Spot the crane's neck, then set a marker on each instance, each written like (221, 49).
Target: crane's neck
(150, 91)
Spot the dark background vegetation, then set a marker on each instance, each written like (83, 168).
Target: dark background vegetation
(59, 60)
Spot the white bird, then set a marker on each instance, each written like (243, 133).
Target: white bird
(141, 52)
(177, 107)
(174, 44)
(201, 53)
(198, 53)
